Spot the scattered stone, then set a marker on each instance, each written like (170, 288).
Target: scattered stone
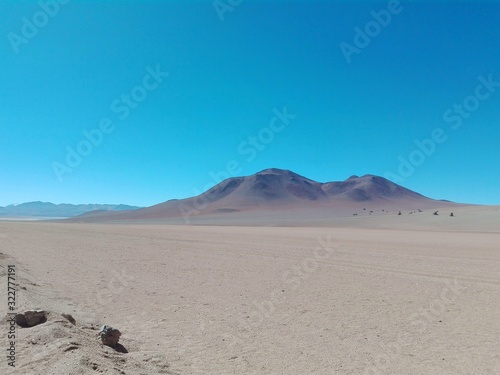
(35, 317)
(21, 320)
(436, 213)
(31, 318)
(109, 335)
(452, 214)
(399, 213)
(70, 318)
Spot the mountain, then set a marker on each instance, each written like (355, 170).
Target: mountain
(48, 210)
(273, 190)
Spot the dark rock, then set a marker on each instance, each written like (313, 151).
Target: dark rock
(109, 335)
(31, 318)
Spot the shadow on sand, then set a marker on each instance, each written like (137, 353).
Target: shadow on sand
(120, 348)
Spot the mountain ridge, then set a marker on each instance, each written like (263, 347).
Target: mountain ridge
(49, 209)
(276, 189)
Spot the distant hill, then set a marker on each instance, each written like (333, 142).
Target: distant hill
(280, 190)
(48, 210)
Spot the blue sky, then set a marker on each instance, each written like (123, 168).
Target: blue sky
(180, 86)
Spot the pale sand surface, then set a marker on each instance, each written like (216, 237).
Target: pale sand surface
(467, 218)
(259, 300)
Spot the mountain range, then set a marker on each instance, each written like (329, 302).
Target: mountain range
(51, 210)
(277, 190)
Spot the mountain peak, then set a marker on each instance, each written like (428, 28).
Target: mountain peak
(275, 189)
(280, 186)
(275, 171)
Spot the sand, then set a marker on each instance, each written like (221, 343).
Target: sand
(357, 298)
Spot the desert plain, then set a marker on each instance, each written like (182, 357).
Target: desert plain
(385, 294)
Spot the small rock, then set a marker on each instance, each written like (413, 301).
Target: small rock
(109, 335)
(21, 320)
(31, 318)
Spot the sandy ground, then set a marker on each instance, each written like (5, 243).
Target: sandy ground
(257, 300)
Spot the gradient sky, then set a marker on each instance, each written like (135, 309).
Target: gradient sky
(227, 78)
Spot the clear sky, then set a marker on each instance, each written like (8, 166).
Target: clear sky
(171, 92)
